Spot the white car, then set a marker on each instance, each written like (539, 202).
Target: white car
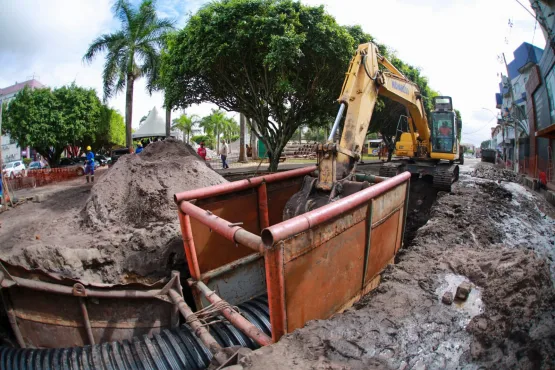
(13, 169)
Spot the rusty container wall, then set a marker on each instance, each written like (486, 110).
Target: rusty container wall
(213, 250)
(49, 320)
(244, 281)
(327, 266)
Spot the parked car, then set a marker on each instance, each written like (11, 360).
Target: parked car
(116, 153)
(78, 162)
(37, 165)
(13, 169)
(101, 159)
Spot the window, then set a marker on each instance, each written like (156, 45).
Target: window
(550, 85)
(443, 131)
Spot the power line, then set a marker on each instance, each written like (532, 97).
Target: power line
(525, 8)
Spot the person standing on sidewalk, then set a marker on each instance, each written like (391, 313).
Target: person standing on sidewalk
(224, 151)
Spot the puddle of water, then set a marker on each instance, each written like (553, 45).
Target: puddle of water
(472, 306)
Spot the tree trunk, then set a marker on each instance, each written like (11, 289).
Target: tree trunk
(254, 147)
(129, 111)
(275, 155)
(300, 135)
(168, 121)
(217, 141)
(242, 126)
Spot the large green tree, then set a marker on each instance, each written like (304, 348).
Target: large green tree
(278, 62)
(48, 120)
(131, 53)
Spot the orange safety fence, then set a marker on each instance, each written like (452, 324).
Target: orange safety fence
(34, 178)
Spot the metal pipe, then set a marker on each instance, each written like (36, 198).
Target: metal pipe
(240, 185)
(189, 243)
(224, 228)
(235, 318)
(337, 120)
(86, 320)
(263, 217)
(13, 320)
(370, 178)
(275, 283)
(67, 290)
(200, 331)
(230, 266)
(320, 215)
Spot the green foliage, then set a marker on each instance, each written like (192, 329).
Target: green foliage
(278, 62)
(27, 161)
(110, 132)
(218, 126)
(48, 120)
(187, 124)
(208, 140)
(132, 52)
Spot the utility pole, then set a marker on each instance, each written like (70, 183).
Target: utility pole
(511, 116)
(4, 204)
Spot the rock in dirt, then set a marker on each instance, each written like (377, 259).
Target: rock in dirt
(447, 298)
(127, 230)
(463, 291)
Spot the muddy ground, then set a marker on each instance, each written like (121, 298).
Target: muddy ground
(124, 229)
(495, 235)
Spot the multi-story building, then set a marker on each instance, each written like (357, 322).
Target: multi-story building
(511, 100)
(10, 150)
(540, 104)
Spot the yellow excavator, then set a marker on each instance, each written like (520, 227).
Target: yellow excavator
(423, 150)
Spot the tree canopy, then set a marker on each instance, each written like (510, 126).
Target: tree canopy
(278, 62)
(48, 120)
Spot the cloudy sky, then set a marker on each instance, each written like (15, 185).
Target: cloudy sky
(456, 43)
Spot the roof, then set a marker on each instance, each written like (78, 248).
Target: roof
(523, 55)
(154, 125)
(33, 84)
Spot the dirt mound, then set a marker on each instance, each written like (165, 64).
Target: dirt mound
(490, 172)
(127, 230)
(139, 189)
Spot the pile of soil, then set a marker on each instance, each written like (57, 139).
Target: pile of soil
(139, 189)
(125, 231)
(470, 236)
(490, 172)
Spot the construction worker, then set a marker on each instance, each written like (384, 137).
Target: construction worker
(89, 164)
(201, 151)
(139, 148)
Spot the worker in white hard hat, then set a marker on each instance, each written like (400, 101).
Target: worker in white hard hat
(89, 165)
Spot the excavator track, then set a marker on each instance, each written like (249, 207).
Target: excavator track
(390, 169)
(445, 176)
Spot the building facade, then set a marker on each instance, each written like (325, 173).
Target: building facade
(511, 136)
(10, 150)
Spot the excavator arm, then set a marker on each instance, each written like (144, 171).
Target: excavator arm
(364, 82)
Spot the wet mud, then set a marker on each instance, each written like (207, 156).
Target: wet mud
(474, 234)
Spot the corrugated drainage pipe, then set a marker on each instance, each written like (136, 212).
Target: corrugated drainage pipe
(172, 349)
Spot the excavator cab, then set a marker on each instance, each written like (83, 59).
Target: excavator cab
(444, 126)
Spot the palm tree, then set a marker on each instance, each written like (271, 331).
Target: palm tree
(213, 125)
(132, 52)
(187, 125)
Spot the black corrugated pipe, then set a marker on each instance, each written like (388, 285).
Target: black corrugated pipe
(172, 349)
